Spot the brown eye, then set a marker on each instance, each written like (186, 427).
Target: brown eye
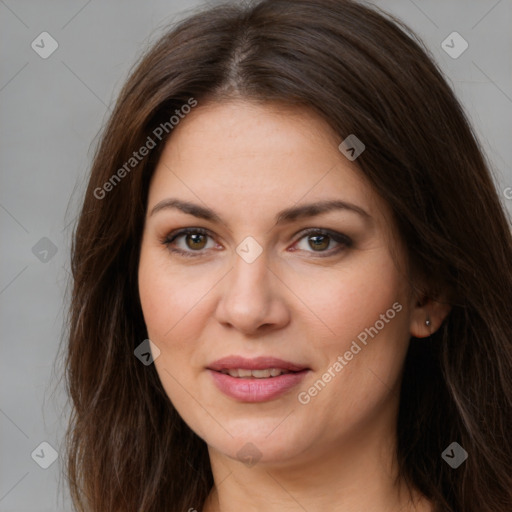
(318, 242)
(194, 241)
(197, 241)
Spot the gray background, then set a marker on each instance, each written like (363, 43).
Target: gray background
(51, 112)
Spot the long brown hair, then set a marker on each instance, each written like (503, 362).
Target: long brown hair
(365, 73)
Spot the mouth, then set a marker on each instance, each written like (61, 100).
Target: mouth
(242, 373)
(256, 380)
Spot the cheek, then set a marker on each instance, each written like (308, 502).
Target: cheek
(166, 296)
(365, 312)
(169, 306)
(349, 300)
(165, 302)
(175, 309)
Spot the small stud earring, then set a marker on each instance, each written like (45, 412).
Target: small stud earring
(427, 322)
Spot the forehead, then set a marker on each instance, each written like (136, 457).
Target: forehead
(240, 155)
(249, 140)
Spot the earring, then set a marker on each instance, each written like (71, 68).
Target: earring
(427, 322)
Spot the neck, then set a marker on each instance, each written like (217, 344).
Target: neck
(359, 475)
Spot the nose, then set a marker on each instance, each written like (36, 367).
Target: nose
(252, 298)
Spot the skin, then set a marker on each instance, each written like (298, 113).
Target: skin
(247, 162)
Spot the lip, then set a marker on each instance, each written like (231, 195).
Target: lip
(252, 389)
(256, 363)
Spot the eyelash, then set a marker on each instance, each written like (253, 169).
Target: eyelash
(339, 238)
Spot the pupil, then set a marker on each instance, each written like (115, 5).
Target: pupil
(194, 237)
(318, 244)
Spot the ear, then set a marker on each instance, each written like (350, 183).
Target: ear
(427, 316)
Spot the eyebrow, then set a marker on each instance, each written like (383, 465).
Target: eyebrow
(284, 216)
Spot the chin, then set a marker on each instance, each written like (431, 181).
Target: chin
(265, 442)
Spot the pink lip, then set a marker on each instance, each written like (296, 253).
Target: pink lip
(256, 363)
(252, 389)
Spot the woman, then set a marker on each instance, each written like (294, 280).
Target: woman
(290, 203)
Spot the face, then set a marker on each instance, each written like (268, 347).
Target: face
(268, 311)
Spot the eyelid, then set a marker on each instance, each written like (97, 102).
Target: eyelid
(340, 238)
(344, 242)
(173, 235)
